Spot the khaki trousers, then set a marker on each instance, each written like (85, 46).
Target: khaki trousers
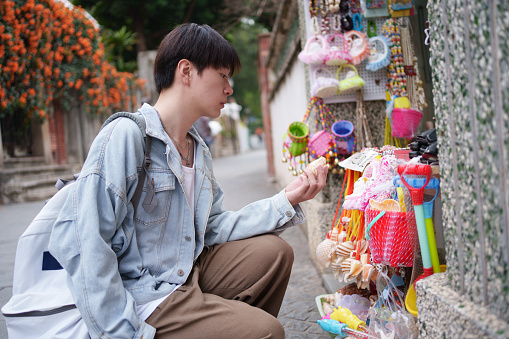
(234, 291)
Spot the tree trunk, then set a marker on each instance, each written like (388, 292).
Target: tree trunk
(190, 11)
(137, 16)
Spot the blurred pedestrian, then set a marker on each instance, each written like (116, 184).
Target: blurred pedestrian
(203, 128)
(181, 266)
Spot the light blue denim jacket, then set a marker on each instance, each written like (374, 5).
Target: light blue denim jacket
(97, 230)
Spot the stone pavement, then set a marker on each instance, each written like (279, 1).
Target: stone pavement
(244, 180)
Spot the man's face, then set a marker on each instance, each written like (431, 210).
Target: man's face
(211, 90)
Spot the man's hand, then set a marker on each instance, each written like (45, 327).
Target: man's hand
(306, 186)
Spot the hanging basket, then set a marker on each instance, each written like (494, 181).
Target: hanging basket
(344, 136)
(405, 122)
(325, 85)
(337, 53)
(352, 81)
(314, 51)
(319, 143)
(298, 132)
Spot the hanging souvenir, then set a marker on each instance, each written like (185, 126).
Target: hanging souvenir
(398, 5)
(321, 142)
(344, 7)
(364, 137)
(354, 6)
(358, 46)
(405, 122)
(357, 22)
(352, 80)
(395, 13)
(298, 133)
(343, 132)
(299, 148)
(325, 85)
(346, 23)
(371, 4)
(338, 51)
(396, 79)
(381, 11)
(314, 50)
(295, 142)
(414, 84)
(372, 30)
(379, 53)
(345, 250)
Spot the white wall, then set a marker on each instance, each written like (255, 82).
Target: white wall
(288, 105)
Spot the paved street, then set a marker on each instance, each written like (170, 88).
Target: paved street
(244, 180)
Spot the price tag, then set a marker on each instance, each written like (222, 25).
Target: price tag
(359, 161)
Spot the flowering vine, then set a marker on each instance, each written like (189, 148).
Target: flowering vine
(49, 51)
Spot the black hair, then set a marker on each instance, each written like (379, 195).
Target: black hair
(200, 44)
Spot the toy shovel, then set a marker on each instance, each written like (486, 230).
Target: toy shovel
(434, 183)
(417, 194)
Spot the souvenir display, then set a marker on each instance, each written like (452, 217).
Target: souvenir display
(383, 208)
(396, 78)
(365, 138)
(322, 143)
(382, 227)
(414, 83)
(300, 147)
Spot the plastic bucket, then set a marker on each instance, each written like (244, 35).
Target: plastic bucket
(342, 128)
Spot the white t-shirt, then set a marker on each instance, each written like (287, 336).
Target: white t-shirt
(144, 311)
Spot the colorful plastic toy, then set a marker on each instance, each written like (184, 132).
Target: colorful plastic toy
(417, 194)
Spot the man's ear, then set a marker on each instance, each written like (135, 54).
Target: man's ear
(183, 72)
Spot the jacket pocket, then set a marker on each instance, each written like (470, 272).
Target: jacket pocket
(164, 185)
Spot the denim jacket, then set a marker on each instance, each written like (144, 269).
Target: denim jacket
(117, 259)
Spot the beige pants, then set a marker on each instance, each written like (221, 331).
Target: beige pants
(234, 291)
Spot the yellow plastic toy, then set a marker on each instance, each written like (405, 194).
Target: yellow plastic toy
(344, 315)
(411, 296)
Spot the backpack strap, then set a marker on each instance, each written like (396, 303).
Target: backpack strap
(149, 203)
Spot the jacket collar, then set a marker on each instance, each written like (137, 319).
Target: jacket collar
(155, 129)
